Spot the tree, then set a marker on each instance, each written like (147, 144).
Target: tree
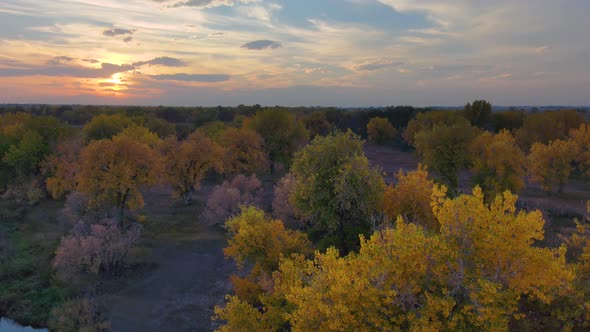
(62, 167)
(498, 163)
(226, 200)
(445, 149)
(336, 189)
(478, 112)
(113, 171)
(410, 198)
(581, 140)
(550, 164)
(380, 130)
(282, 208)
(142, 135)
(26, 156)
(547, 126)
(80, 314)
(471, 275)
(316, 124)
(104, 126)
(427, 120)
(187, 162)
(282, 134)
(244, 151)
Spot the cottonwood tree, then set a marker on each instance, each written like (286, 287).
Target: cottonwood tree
(497, 163)
(336, 188)
(410, 198)
(244, 151)
(445, 149)
(113, 172)
(547, 126)
(427, 120)
(550, 165)
(581, 139)
(283, 134)
(187, 162)
(62, 167)
(474, 274)
(478, 112)
(380, 130)
(105, 126)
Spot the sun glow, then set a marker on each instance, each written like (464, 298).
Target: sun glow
(116, 79)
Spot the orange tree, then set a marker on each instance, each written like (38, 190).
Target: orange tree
(187, 162)
(113, 172)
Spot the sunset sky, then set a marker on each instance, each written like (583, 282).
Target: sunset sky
(295, 52)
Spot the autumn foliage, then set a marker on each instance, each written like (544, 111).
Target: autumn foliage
(410, 198)
(550, 165)
(498, 164)
(113, 172)
(187, 162)
(380, 130)
(227, 199)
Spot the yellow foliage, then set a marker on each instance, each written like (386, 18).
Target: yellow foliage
(187, 162)
(380, 130)
(410, 198)
(112, 172)
(472, 275)
(581, 140)
(498, 163)
(550, 164)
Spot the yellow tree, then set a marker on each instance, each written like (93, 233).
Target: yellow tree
(427, 120)
(550, 165)
(244, 151)
(142, 135)
(410, 198)
(105, 126)
(113, 172)
(380, 130)
(497, 163)
(187, 162)
(472, 275)
(260, 241)
(581, 139)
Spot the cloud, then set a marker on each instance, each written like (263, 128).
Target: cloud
(128, 39)
(376, 65)
(162, 61)
(210, 78)
(59, 60)
(117, 32)
(90, 60)
(262, 44)
(202, 3)
(106, 70)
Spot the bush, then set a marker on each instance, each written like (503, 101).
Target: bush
(94, 248)
(80, 314)
(281, 207)
(27, 193)
(225, 200)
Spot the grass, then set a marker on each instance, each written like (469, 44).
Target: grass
(27, 290)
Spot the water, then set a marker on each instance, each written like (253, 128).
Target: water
(7, 325)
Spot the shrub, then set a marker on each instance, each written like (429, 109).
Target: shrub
(81, 314)
(226, 199)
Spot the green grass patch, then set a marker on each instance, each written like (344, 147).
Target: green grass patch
(27, 290)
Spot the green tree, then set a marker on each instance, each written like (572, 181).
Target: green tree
(336, 189)
(478, 113)
(105, 126)
(380, 130)
(445, 149)
(282, 134)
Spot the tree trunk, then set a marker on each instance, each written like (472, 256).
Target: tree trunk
(187, 198)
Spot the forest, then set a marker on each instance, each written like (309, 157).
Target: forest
(395, 218)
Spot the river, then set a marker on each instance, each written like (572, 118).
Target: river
(7, 325)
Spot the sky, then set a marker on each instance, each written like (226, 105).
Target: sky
(295, 52)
